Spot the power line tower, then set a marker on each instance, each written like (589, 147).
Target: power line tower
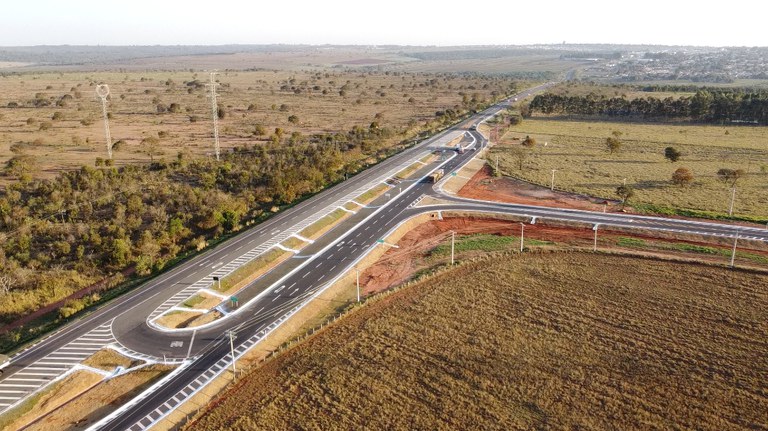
(215, 113)
(102, 90)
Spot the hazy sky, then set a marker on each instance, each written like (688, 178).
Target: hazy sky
(401, 22)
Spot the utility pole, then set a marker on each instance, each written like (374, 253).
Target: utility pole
(215, 114)
(733, 198)
(232, 349)
(552, 187)
(522, 235)
(453, 241)
(733, 253)
(357, 273)
(595, 246)
(102, 91)
(497, 164)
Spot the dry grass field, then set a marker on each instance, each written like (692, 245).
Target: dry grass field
(57, 117)
(532, 341)
(577, 149)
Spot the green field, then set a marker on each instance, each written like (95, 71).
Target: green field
(533, 341)
(577, 150)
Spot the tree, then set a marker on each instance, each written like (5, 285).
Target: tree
(730, 176)
(22, 166)
(529, 142)
(682, 176)
(613, 143)
(520, 154)
(151, 147)
(625, 192)
(671, 154)
(293, 119)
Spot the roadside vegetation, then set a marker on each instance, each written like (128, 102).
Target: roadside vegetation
(540, 340)
(79, 220)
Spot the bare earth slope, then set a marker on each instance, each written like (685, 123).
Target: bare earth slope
(534, 341)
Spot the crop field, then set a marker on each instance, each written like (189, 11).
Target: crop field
(532, 341)
(578, 151)
(56, 118)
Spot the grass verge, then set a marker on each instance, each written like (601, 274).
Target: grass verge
(318, 228)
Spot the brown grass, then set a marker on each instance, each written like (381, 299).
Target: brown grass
(177, 319)
(99, 401)
(577, 150)
(320, 227)
(538, 341)
(48, 400)
(108, 360)
(398, 102)
(372, 194)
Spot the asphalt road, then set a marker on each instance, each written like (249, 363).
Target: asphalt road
(298, 279)
(348, 244)
(139, 303)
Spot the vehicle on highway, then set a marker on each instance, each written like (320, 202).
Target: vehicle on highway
(474, 127)
(435, 177)
(4, 362)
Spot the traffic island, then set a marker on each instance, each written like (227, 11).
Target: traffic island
(97, 401)
(371, 194)
(454, 181)
(318, 228)
(29, 414)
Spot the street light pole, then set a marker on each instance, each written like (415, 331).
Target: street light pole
(594, 248)
(552, 187)
(453, 240)
(232, 349)
(357, 273)
(522, 235)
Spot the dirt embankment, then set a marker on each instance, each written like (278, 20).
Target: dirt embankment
(486, 187)
(399, 264)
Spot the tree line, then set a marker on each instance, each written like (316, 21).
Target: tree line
(706, 106)
(62, 234)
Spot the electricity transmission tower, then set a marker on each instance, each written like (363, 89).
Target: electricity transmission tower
(215, 114)
(102, 90)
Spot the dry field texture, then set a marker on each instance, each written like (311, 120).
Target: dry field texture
(81, 412)
(56, 118)
(578, 151)
(532, 341)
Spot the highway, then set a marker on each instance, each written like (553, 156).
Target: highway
(204, 352)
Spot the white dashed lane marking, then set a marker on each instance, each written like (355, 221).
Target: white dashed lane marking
(38, 374)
